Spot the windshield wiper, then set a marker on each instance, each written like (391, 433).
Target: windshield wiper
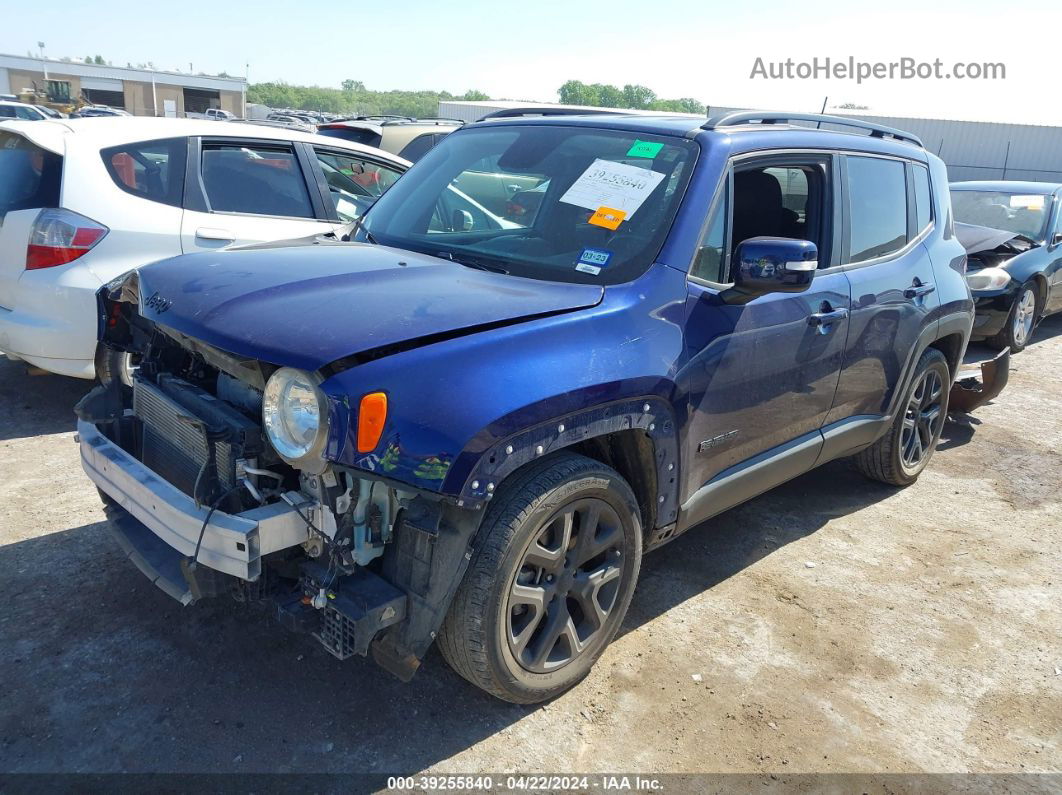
(473, 262)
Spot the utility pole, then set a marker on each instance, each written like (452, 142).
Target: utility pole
(44, 63)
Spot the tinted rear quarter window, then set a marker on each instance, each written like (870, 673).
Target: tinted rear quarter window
(418, 147)
(923, 207)
(262, 180)
(152, 170)
(30, 177)
(877, 201)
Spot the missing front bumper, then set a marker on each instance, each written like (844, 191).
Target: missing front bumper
(978, 382)
(233, 544)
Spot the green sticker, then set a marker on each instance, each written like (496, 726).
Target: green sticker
(644, 149)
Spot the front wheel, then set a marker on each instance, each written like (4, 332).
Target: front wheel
(550, 582)
(899, 457)
(112, 365)
(1020, 322)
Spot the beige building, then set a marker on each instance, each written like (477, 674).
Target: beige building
(141, 92)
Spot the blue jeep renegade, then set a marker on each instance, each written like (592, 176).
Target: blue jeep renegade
(556, 343)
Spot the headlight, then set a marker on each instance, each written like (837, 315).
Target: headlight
(295, 415)
(987, 279)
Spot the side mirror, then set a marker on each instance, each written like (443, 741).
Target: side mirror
(1057, 239)
(462, 221)
(772, 265)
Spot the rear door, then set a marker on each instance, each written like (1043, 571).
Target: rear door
(242, 191)
(887, 215)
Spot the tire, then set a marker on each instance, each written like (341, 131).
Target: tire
(1021, 320)
(111, 365)
(504, 630)
(898, 457)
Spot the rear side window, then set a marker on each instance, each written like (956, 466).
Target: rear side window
(152, 170)
(24, 112)
(418, 147)
(263, 180)
(877, 202)
(923, 208)
(30, 177)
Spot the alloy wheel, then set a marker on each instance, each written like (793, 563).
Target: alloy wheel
(1024, 316)
(922, 420)
(566, 586)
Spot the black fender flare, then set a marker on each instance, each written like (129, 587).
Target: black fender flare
(954, 323)
(653, 415)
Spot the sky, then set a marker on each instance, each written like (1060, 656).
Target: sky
(526, 50)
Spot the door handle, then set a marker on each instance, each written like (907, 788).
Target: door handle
(825, 318)
(918, 291)
(208, 233)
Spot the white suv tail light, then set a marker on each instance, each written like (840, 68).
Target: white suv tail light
(60, 236)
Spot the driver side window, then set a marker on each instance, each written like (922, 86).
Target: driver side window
(786, 200)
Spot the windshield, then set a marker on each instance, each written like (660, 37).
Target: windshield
(1021, 213)
(561, 203)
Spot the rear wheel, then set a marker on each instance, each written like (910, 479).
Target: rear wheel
(898, 457)
(1021, 321)
(548, 587)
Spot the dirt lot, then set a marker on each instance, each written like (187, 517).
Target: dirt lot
(831, 625)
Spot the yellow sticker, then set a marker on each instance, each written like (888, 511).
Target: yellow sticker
(607, 217)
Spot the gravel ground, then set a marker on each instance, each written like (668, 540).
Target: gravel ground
(831, 625)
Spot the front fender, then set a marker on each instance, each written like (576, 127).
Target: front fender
(453, 401)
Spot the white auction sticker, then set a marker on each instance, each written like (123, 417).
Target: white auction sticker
(615, 185)
(1033, 202)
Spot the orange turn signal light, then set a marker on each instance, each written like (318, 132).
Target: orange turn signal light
(372, 414)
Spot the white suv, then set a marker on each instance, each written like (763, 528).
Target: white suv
(84, 201)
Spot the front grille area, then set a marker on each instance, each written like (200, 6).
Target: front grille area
(186, 430)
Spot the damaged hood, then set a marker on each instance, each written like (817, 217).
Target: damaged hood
(310, 306)
(976, 239)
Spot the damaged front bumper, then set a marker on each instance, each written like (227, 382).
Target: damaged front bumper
(979, 381)
(232, 544)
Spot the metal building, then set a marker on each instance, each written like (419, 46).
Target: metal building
(972, 149)
(141, 92)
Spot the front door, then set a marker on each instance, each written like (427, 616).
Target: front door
(761, 377)
(249, 192)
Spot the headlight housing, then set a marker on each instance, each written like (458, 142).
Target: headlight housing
(295, 416)
(987, 279)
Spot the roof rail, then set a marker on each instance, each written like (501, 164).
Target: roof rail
(746, 117)
(514, 113)
(440, 119)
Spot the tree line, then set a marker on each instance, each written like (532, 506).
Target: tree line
(353, 98)
(634, 97)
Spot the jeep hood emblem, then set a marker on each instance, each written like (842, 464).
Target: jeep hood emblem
(158, 303)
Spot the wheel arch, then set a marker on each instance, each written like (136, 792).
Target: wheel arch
(952, 346)
(636, 437)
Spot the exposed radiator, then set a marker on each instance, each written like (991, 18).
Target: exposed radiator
(186, 428)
